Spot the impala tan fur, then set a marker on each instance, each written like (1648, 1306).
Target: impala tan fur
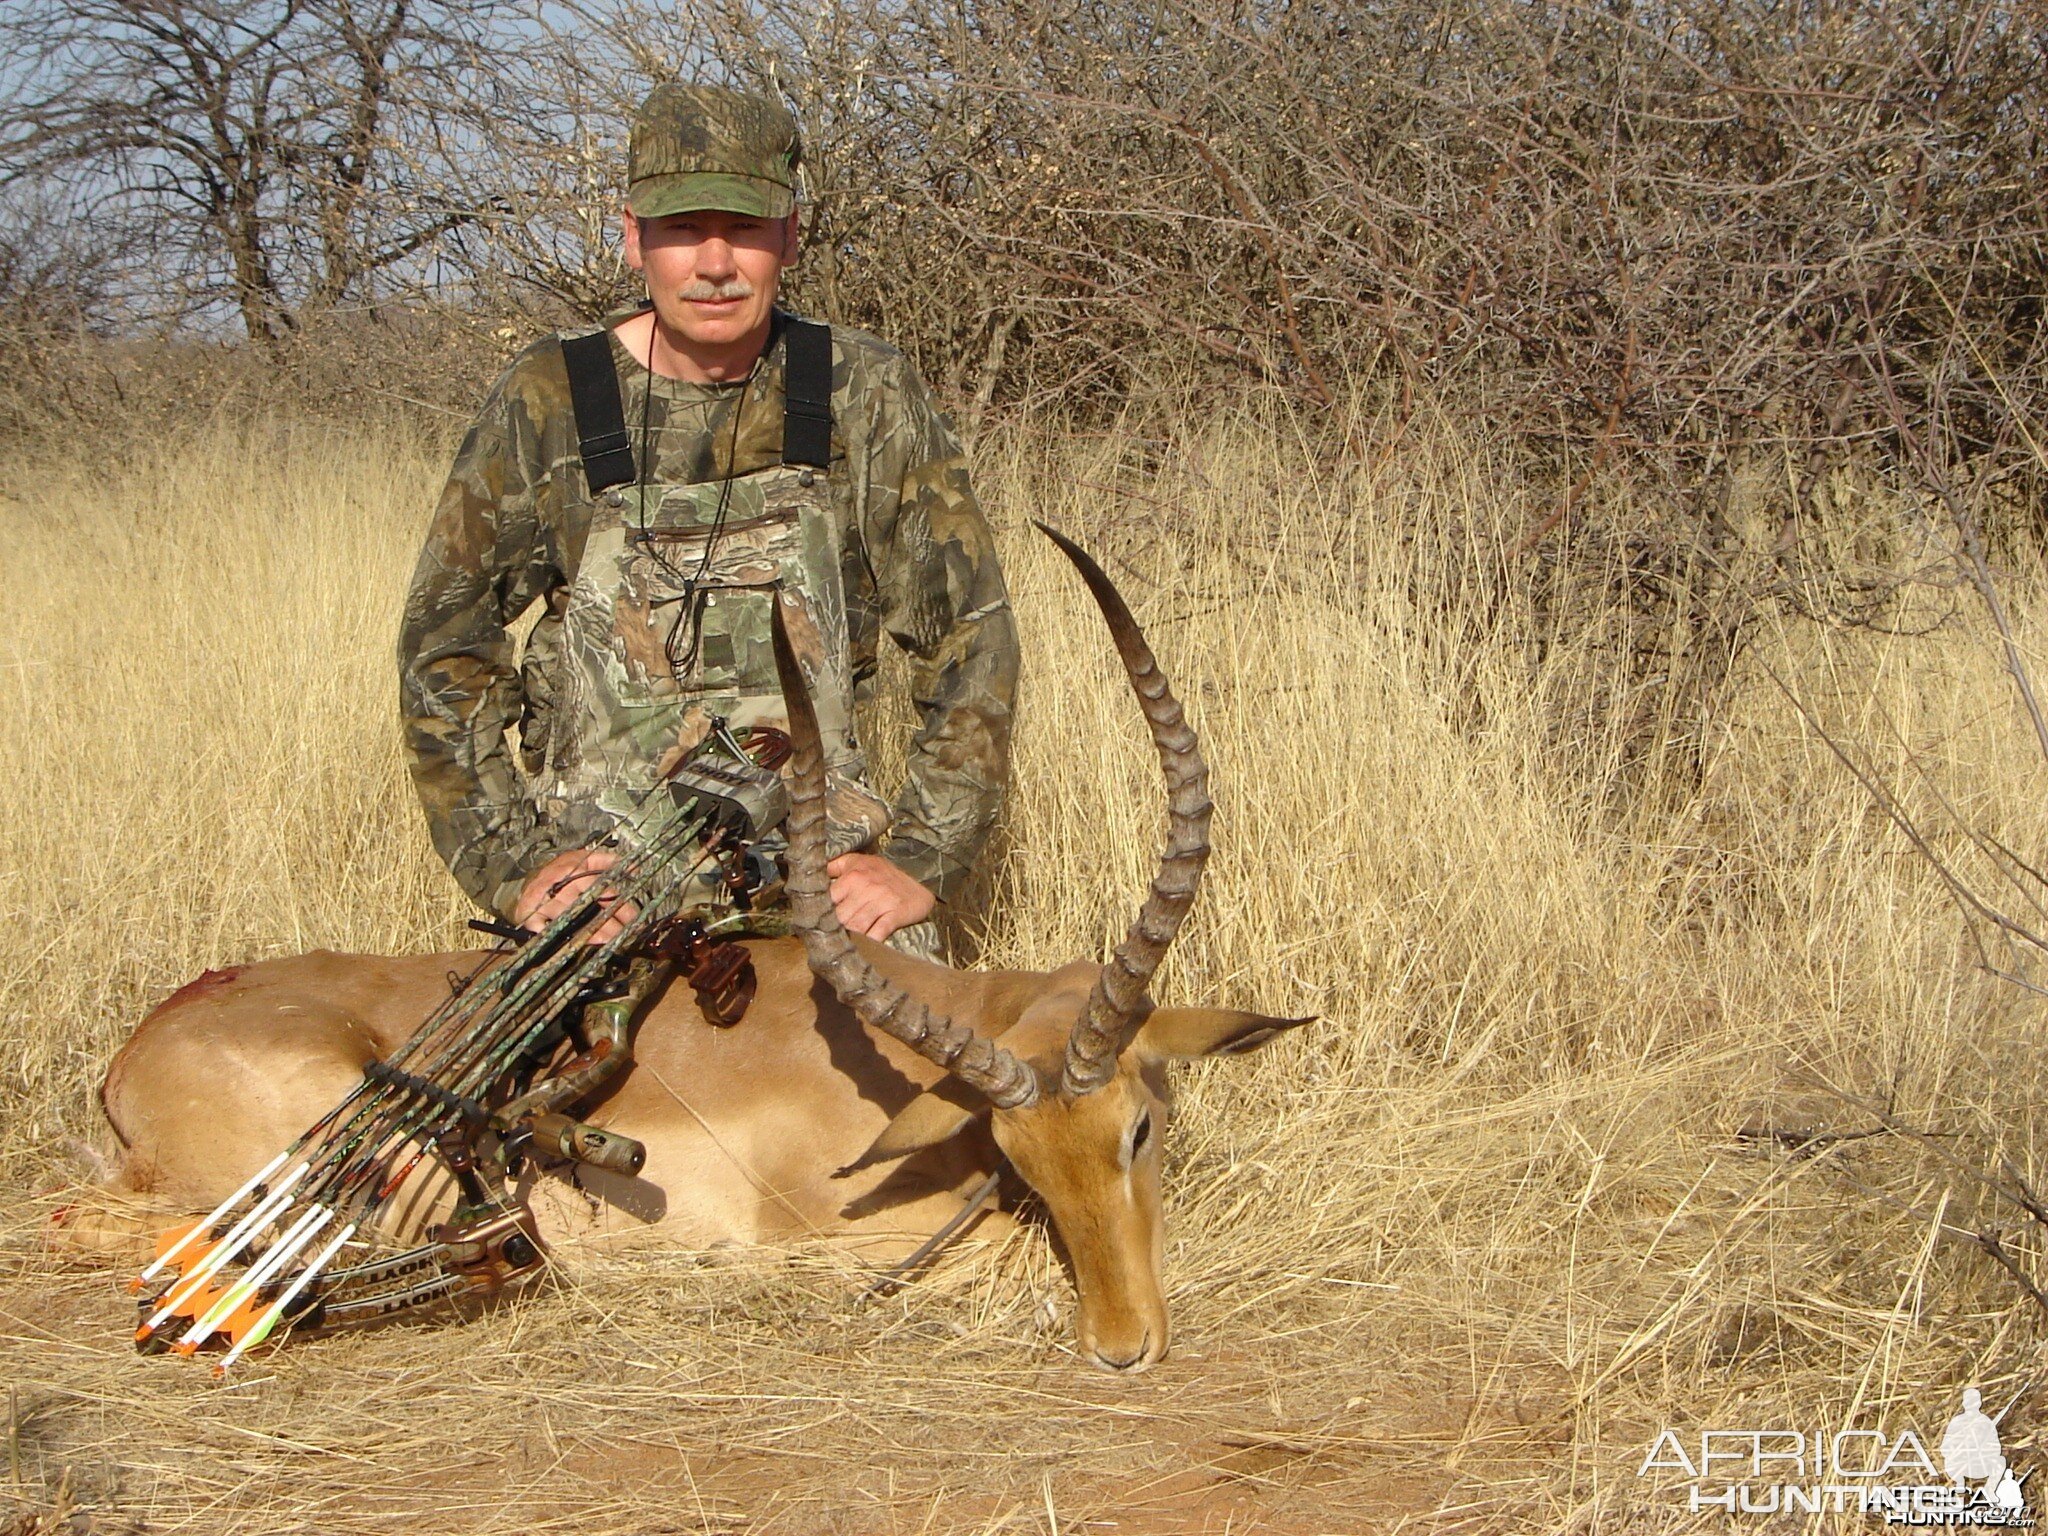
(861, 1096)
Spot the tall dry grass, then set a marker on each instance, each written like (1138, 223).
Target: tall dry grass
(1449, 1256)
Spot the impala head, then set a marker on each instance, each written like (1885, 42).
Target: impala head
(1095, 1160)
(1072, 1075)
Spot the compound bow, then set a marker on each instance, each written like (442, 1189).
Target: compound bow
(266, 1257)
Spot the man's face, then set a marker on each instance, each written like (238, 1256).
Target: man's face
(712, 275)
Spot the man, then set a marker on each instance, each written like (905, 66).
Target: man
(650, 485)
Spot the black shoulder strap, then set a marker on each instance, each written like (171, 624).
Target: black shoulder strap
(807, 393)
(600, 418)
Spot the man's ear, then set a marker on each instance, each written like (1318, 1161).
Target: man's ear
(635, 258)
(924, 1122)
(792, 236)
(1181, 1034)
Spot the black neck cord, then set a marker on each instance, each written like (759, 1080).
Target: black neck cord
(690, 606)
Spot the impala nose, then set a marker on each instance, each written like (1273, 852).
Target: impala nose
(1137, 1360)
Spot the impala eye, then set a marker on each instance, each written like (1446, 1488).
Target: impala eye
(1141, 1133)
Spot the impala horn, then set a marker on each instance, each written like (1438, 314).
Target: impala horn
(1110, 1017)
(876, 1001)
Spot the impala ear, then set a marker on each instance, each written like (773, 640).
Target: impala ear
(1181, 1034)
(924, 1122)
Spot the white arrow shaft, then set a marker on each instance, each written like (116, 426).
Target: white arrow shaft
(305, 1277)
(229, 1247)
(281, 1252)
(219, 1211)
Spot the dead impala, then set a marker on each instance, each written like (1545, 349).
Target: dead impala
(863, 1110)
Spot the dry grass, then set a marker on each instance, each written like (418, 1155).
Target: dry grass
(1449, 1257)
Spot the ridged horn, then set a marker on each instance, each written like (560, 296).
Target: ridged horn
(876, 1001)
(1109, 1018)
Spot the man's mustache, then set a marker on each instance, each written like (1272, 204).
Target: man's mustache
(734, 287)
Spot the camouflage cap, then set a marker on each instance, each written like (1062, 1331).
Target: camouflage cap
(700, 146)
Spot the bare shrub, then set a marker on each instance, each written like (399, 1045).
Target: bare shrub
(1668, 236)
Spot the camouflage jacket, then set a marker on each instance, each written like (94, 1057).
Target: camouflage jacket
(510, 529)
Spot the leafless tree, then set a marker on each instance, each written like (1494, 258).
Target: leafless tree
(277, 156)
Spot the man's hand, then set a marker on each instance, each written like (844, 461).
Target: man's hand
(874, 897)
(550, 891)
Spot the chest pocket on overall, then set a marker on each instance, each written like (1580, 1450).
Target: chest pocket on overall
(691, 607)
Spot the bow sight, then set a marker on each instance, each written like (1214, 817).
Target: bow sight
(486, 1083)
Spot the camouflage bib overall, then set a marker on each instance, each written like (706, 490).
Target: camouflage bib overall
(667, 626)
